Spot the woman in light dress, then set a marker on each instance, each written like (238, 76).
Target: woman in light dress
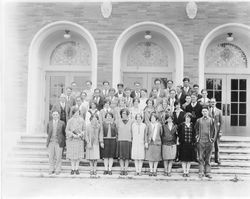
(139, 143)
(94, 140)
(75, 132)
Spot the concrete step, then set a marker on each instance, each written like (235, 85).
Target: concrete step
(44, 161)
(131, 176)
(85, 169)
(44, 154)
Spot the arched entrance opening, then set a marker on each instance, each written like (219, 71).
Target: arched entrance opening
(54, 62)
(136, 58)
(224, 71)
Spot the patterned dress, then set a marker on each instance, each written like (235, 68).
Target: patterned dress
(186, 136)
(75, 146)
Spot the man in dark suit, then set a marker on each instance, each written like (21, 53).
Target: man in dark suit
(216, 114)
(62, 108)
(194, 108)
(136, 92)
(70, 100)
(55, 142)
(98, 99)
(105, 89)
(120, 93)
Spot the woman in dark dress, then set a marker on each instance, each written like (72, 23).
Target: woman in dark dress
(186, 136)
(109, 132)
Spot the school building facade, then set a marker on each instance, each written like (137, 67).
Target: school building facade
(125, 42)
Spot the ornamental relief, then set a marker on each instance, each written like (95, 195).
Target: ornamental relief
(147, 54)
(225, 55)
(71, 53)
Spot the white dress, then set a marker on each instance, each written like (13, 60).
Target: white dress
(138, 141)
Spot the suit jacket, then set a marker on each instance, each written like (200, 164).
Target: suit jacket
(104, 130)
(178, 120)
(60, 132)
(133, 94)
(169, 137)
(123, 95)
(212, 133)
(71, 101)
(162, 93)
(105, 93)
(217, 118)
(58, 107)
(150, 134)
(195, 111)
(100, 103)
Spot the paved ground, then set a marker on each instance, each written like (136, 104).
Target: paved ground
(23, 187)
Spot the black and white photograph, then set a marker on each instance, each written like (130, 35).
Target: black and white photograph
(125, 98)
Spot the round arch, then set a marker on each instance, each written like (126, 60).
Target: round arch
(142, 26)
(209, 38)
(36, 73)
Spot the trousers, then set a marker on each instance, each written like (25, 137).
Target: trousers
(55, 156)
(204, 155)
(216, 149)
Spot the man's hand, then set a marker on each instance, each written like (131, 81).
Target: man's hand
(102, 145)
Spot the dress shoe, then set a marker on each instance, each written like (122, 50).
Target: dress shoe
(218, 162)
(105, 172)
(110, 172)
(122, 173)
(165, 173)
(51, 172)
(169, 174)
(184, 175)
(72, 172)
(150, 173)
(201, 175)
(187, 175)
(125, 173)
(155, 174)
(208, 176)
(77, 172)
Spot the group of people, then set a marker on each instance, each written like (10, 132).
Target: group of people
(171, 124)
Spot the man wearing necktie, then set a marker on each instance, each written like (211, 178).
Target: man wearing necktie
(98, 99)
(55, 142)
(216, 114)
(105, 90)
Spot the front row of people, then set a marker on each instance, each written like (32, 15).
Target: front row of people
(128, 139)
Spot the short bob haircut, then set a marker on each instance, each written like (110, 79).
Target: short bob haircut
(92, 116)
(109, 113)
(74, 110)
(111, 89)
(136, 98)
(144, 89)
(137, 115)
(124, 110)
(153, 114)
(151, 101)
(55, 110)
(188, 115)
(169, 116)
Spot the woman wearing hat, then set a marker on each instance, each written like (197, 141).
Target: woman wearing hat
(186, 136)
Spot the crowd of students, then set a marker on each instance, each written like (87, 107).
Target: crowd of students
(171, 124)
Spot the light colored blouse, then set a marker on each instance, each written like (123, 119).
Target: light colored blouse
(124, 130)
(75, 123)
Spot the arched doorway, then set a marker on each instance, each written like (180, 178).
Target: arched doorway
(224, 71)
(136, 58)
(54, 62)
